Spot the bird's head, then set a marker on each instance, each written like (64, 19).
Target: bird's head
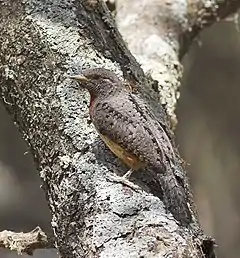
(99, 82)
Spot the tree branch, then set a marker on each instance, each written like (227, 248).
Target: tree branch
(24, 242)
(159, 33)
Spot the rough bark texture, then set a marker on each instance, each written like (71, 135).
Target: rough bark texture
(159, 33)
(41, 43)
(24, 242)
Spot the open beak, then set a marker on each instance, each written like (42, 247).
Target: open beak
(79, 77)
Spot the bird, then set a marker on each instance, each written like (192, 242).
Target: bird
(130, 128)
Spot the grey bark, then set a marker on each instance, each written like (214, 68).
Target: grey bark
(42, 42)
(159, 34)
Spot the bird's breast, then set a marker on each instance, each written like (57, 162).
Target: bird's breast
(128, 158)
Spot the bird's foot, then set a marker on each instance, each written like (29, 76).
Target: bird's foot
(128, 174)
(124, 180)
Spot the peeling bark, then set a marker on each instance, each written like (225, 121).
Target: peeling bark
(42, 42)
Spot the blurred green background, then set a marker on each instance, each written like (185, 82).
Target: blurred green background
(208, 135)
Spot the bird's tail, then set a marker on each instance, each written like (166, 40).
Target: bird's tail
(175, 197)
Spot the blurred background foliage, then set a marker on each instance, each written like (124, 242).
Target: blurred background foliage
(207, 136)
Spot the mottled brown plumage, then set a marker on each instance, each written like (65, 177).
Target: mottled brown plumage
(130, 128)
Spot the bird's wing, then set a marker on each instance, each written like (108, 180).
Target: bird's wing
(157, 125)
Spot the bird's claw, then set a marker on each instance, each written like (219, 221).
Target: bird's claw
(123, 180)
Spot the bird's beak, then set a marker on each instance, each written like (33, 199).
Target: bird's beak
(80, 78)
